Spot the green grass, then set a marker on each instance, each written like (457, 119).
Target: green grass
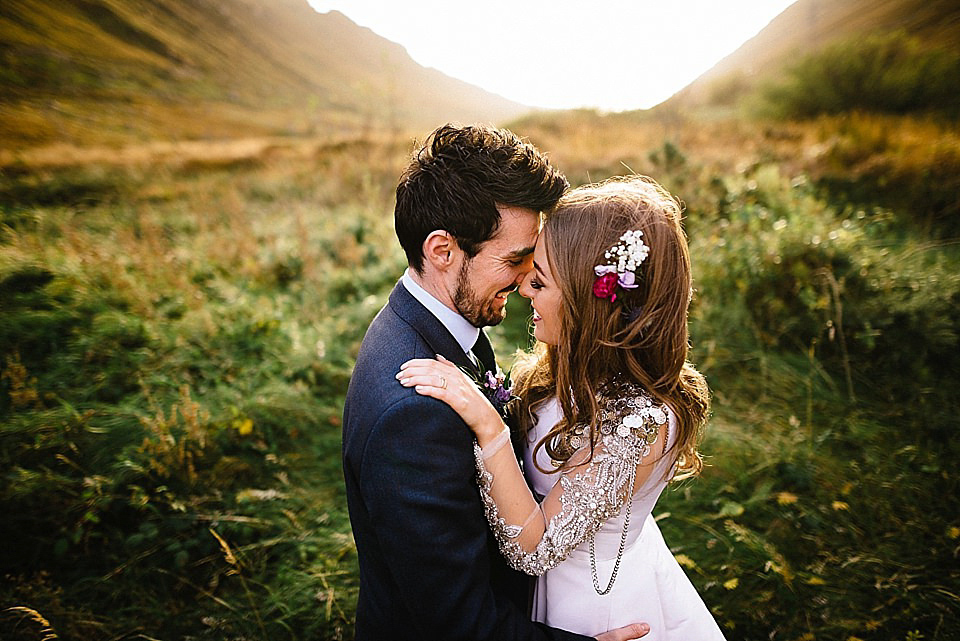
(173, 361)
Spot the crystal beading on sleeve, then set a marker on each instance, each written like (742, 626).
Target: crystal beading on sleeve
(536, 537)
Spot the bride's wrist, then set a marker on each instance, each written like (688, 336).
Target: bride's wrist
(489, 431)
(490, 446)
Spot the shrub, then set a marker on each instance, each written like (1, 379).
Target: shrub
(887, 73)
(785, 274)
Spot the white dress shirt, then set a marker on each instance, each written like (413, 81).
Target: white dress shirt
(464, 333)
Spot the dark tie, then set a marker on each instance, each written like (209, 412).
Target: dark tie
(484, 352)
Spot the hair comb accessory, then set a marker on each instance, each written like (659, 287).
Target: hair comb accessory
(622, 262)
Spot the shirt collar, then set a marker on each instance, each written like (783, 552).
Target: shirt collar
(461, 329)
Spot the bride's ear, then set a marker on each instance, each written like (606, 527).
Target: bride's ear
(440, 249)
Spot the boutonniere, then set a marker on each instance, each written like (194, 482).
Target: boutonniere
(496, 387)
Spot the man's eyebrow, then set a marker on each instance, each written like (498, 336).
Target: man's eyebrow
(519, 253)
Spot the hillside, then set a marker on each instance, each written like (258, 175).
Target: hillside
(111, 71)
(809, 25)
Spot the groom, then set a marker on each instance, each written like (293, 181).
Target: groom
(467, 215)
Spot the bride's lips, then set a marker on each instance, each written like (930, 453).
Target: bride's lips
(536, 317)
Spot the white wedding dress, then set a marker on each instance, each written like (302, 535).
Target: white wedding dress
(649, 586)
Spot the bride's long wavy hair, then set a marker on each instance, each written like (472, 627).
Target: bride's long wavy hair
(642, 336)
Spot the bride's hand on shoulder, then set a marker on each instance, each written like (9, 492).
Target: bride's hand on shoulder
(444, 381)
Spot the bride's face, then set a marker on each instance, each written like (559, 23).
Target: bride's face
(545, 297)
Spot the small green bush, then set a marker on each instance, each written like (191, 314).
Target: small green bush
(784, 273)
(886, 73)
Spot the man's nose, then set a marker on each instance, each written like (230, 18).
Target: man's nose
(524, 289)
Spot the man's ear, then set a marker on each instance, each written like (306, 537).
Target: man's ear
(440, 249)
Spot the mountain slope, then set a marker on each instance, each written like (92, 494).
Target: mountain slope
(111, 70)
(809, 25)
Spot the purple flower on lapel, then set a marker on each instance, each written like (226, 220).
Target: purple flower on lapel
(496, 387)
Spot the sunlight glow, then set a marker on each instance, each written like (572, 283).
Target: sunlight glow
(610, 54)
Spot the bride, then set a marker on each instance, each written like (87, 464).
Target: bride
(609, 412)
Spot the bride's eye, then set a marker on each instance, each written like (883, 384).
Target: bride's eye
(535, 284)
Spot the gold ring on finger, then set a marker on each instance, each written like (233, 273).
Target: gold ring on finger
(443, 382)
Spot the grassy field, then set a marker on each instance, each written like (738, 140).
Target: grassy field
(178, 326)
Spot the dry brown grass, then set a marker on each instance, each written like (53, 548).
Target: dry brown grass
(183, 153)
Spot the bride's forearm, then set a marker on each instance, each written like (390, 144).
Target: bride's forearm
(508, 490)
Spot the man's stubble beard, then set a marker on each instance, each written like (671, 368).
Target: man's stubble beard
(477, 312)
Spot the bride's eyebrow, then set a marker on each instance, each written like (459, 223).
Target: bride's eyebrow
(539, 271)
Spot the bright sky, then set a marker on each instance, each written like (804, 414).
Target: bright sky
(609, 54)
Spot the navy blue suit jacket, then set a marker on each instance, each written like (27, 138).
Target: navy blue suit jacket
(429, 567)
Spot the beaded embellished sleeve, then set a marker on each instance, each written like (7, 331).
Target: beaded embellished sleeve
(536, 537)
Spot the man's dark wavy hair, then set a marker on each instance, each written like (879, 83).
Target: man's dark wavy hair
(457, 179)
